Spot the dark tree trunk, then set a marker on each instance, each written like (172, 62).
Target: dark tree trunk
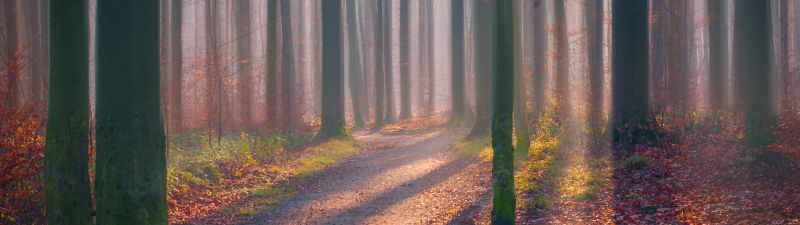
(562, 61)
(631, 109)
(131, 182)
(520, 108)
(405, 48)
(354, 67)
(752, 44)
(176, 64)
(243, 46)
(594, 37)
(718, 58)
(380, 67)
(11, 32)
(391, 112)
(539, 59)
(458, 94)
(272, 64)
(66, 161)
(289, 103)
(503, 202)
(333, 125)
(485, 66)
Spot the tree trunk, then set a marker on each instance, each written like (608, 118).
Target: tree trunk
(176, 63)
(131, 184)
(333, 125)
(562, 62)
(405, 48)
(520, 108)
(243, 46)
(484, 66)
(430, 58)
(458, 94)
(11, 45)
(380, 67)
(289, 102)
(631, 109)
(718, 58)
(391, 112)
(504, 202)
(66, 161)
(539, 58)
(594, 40)
(272, 64)
(752, 44)
(354, 67)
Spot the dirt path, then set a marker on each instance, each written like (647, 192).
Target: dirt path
(412, 178)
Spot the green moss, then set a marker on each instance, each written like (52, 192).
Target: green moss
(636, 162)
(474, 148)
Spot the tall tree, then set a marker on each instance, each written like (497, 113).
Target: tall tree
(244, 55)
(391, 112)
(430, 57)
(458, 94)
(718, 54)
(405, 68)
(752, 43)
(676, 88)
(354, 66)
(272, 63)
(504, 202)
(562, 60)
(333, 125)
(131, 183)
(214, 81)
(289, 102)
(539, 60)
(784, 59)
(11, 47)
(176, 63)
(520, 108)
(33, 35)
(594, 40)
(380, 67)
(66, 161)
(630, 107)
(484, 66)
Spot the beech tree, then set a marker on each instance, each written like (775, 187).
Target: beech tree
(66, 161)
(332, 80)
(380, 67)
(405, 74)
(131, 184)
(459, 109)
(485, 66)
(504, 201)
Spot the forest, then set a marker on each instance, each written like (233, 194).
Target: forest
(399, 112)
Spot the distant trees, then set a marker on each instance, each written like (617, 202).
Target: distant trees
(459, 109)
(504, 201)
(486, 62)
(244, 60)
(176, 63)
(11, 32)
(539, 60)
(594, 37)
(131, 157)
(332, 80)
(272, 64)
(752, 43)
(405, 69)
(520, 105)
(380, 66)
(289, 101)
(66, 161)
(354, 68)
(630, 115)
(391, 112)
(561, 55)
(718, 54)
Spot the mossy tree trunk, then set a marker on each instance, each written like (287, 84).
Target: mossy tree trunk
(333, 124)
(459, 103)
(630, 84)
(503, 202)
(131, 184)
(484, 66)
(752, 58)
(66, 161)
(380, 67)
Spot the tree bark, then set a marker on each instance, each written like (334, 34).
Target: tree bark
(244, 59)
(562, 61)
(176, 63)
(11, 45)
(503, 202)
(539, 59)
(484, 66)
(354, 67)
(458, 94)
(594, 39)
(333, 125)
(391, 112)
(405, 48)
(752, 65)
(718, 58)
(131, 184)
(272, 64)
(289, 102)
(520, 107)
(66, 161)
(380, 67)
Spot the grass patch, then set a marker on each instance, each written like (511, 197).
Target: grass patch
(636, 162)
(478, 148)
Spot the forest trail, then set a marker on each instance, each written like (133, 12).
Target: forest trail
(406, 178)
